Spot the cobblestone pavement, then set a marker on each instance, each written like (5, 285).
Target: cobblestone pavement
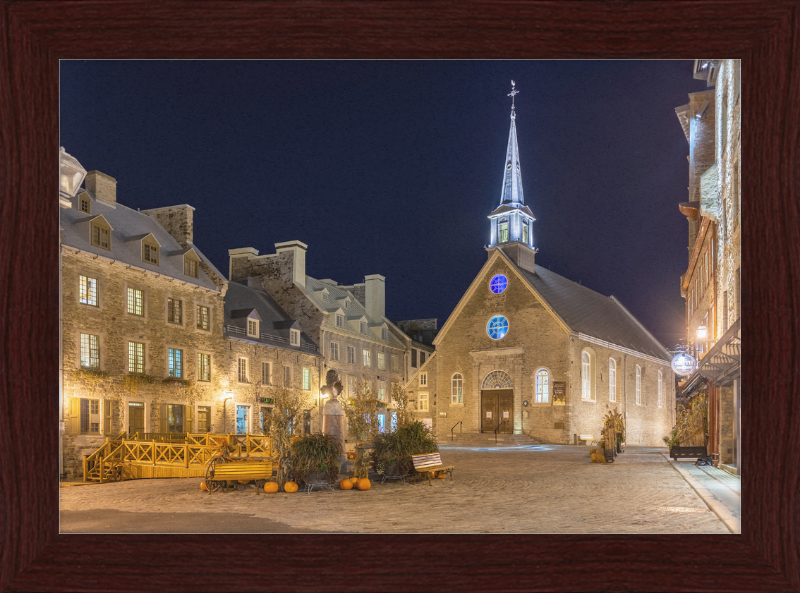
(534, 489)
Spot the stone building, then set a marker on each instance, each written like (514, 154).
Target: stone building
(347, 322)
(418, 336)
(143, 316)
(529, 352)
(711, 284)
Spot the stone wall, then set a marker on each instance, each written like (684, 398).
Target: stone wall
(177, 220)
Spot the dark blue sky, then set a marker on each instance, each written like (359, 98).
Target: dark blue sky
(392, 167)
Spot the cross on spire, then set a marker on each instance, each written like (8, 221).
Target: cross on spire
(513, 92)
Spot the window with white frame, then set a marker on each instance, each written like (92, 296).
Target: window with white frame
(347, 304)
(612, 380)
(339, 320)
(90, 351)
(202, 317)
(294, 337)
(457, 391)
(638, 385)
(306, 379)
(175, 362)
(150, 253)
(88, 291)
(586, 376)
(135, 357)
(252, 328)
(243, 376)
(542, 386)
(203, 367)
(351, 386)
(90, 415)
(351, 355)
(382, 391)
(266, 373)
(395, 363)
(287, 376)
(174, 310)
(423, 379)
(423, 402)
(367, 354)
(135, 301)
(334, 350)
(381, 361)
(660, 390)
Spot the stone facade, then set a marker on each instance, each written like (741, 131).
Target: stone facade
(177, 220)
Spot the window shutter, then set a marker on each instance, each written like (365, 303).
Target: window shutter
(107, 417)
(74, 420)
(189, 417)
(162, 418)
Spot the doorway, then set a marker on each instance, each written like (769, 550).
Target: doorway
(497, 409)
(203, 419)
(135, 418)
(241, 419)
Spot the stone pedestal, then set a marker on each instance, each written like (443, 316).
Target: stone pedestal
(333, 420)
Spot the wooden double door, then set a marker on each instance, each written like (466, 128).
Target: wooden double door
(497, 408)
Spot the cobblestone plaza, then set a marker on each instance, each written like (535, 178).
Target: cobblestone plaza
(532, 489)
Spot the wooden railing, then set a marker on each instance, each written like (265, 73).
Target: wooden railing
(195, 450)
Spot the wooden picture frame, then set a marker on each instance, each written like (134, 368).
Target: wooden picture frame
(36, 34)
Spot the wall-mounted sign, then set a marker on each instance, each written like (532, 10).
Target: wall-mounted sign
(525, 403)
(683, 364)
(559, 393)
(489, 414)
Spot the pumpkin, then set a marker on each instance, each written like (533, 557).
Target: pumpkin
(354, 481)
(203, 486)
(363, 484)
(346, 484)
(243, 481)
(290, 487)
(442, 475)
(271, 487)
(431, 474)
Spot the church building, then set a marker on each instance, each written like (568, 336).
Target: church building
(529, 352)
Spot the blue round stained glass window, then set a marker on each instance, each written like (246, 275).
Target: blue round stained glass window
(498, 284)
(498, 327)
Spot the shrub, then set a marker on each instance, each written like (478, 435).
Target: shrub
(317, 453)
(396, 448)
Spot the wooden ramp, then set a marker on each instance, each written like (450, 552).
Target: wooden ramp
(137, 471)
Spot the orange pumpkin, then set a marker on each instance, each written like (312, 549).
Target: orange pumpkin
(203, 486)
(363, 484)
(442, 475)
(346, 484)
(431, 474)
(290, 487)
(243, 481)
(271, 487)
(354, 481)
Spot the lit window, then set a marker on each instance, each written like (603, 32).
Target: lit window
(135, 301)
(638, 385)
(612, 380)
(339, 320)
(90, 351)
(88, 291)
(525, 232)
(457, 393)
(306, 379)
(381, 422)
(586, 376)
(382, 390)
(423, 402)
(175, 362)
(287, 376)
(294, 337)
(266, 373)
(381, 361)
(660, 390)
(204, 367)
(366, 353)
(334, 351)
(395, 363)
(351, 355)
(498, 284)
(135, 357)
(85, 204)
(174, 311)
(100, 237)
(497, 327)
(190, 267)
(542, 386)
(252, 328)
(150, 253)
(90, 415)
(423, 379)
(503, 231)
(243, 370)
(202, 317)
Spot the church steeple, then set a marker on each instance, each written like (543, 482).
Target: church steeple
(512, 221)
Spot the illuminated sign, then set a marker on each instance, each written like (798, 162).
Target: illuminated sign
(683, 364)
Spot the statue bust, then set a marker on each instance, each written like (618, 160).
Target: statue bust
(333, 387)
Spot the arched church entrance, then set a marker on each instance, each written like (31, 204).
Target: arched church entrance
(497, 403)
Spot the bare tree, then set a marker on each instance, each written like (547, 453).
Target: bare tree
(286, 419)
(361, 410)
(402, 405)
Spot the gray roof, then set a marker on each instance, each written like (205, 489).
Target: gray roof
(129, 226)
(589, 312)
(275, 324)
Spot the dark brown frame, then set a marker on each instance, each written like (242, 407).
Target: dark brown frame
(36, 34)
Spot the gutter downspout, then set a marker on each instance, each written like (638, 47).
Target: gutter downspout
(625, 392)
(60, 355)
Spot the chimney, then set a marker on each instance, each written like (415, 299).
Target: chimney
(298, 250)
(177, 220)
(104, 187)
(375, 296)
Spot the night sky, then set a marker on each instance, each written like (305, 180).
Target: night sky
(392, 167)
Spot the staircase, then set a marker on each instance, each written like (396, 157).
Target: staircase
(472, 439)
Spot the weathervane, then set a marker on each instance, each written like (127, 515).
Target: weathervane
(513, 92)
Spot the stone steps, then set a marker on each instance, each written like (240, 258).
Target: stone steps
(488, 439)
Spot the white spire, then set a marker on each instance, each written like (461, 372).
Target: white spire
(512, 176)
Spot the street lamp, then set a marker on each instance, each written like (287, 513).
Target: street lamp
(71, 175)
(702, 333)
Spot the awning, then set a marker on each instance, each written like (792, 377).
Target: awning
(723, 362)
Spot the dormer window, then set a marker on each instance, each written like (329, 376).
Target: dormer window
(294, 337)
(84, 204)
(363, 327)
(347, 304)
(252, 328)
(190, 268)
(384, 334)
(339, 320)
(503, 230)
(101, 236)
(150, 253)
(325, 297)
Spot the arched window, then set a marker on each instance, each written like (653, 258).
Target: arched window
(542, 386)
(497, 327)
(587, 374)
(497, 380)
(660, 390)
(498, 284)
(638, 385)
(457, 393)
(612, 380)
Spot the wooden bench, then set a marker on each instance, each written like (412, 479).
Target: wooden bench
(218, 473)
(431, 462)
(688, 453)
